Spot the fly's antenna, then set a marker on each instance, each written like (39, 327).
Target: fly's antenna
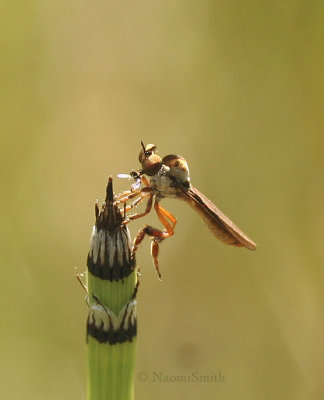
(143, 145)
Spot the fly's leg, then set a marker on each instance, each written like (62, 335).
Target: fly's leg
(156, 234)
(135, 203)
(126, 195)
(145, 181)
(129, 194)
(146, 211)
(164, 215)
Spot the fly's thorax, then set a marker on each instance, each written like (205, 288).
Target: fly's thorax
(169, 182)
(162, 183)
(179, 169)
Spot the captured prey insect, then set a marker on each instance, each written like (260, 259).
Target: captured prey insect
(169, 177)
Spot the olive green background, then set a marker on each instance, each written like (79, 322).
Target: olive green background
(236, 87)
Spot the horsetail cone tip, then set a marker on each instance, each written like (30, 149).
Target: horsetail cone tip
(109, 260)
(110, 255)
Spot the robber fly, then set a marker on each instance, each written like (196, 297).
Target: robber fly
(169, 177)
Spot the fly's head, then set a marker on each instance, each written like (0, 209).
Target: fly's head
(151, 162)
(168, 174)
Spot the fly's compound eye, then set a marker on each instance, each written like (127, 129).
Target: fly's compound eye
(146, 151)
(152, 164)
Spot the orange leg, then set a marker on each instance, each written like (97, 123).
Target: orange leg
(135, 203)
(156, 234)
(163, 214)
(145, 181)
(127, 195)
(146, 211)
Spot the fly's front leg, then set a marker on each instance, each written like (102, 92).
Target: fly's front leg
(126, 195)
(145, 181)
(129, 194)
(135, 203)
(147, 209)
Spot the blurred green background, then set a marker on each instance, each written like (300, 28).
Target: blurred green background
(234, 87)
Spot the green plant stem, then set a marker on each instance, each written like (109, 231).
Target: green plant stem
(112, 289)
(111, 370)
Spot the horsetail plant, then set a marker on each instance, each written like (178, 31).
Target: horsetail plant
(112, 287)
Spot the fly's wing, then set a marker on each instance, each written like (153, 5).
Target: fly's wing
(220, 225)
